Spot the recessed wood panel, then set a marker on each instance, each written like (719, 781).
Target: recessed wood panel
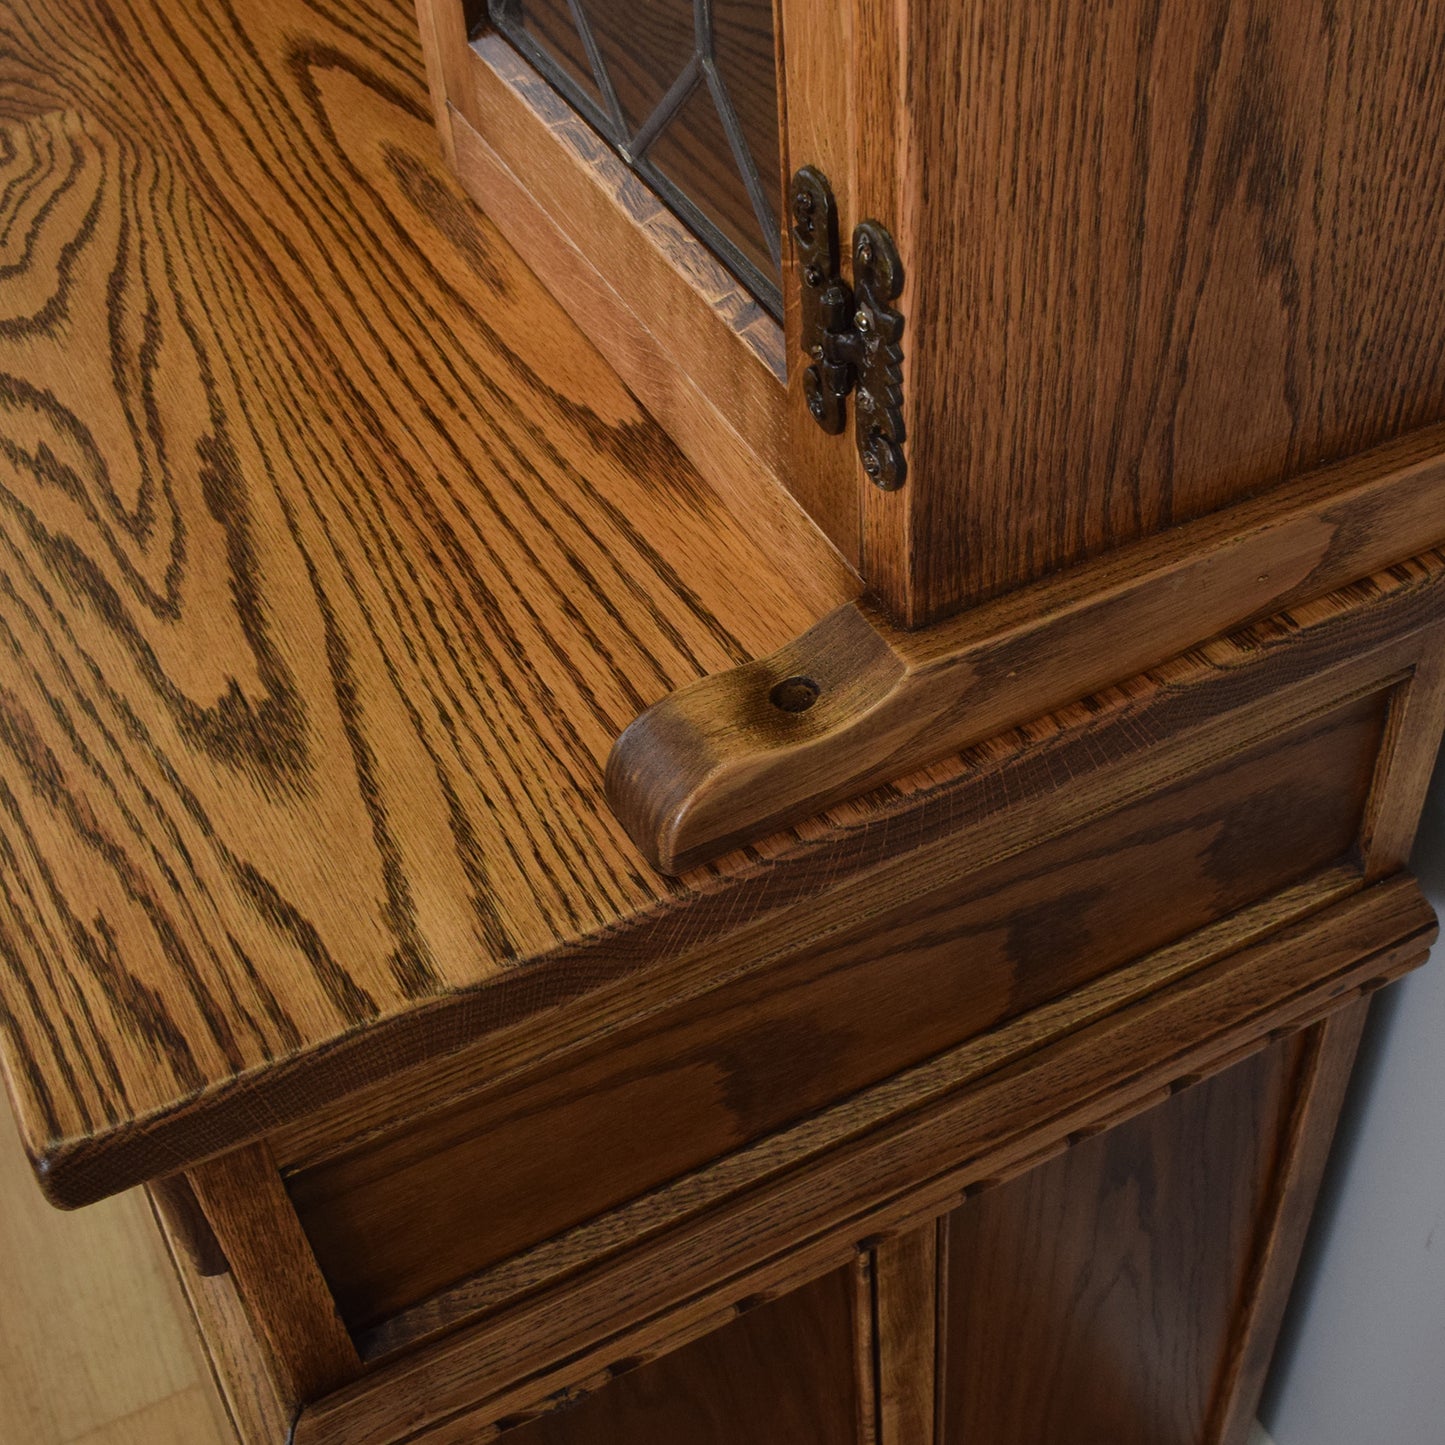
(782, 1374)
(1094, 1299)
(425, 1205)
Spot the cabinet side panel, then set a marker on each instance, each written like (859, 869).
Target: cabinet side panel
(1160, 258)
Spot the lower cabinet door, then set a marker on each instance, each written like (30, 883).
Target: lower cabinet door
(1129, 1291)
(783, 1373)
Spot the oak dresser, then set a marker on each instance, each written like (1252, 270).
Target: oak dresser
(711, 711)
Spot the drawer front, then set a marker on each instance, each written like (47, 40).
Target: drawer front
(441, 1198)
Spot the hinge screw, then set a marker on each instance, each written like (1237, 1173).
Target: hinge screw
(863, 321)
(884, 463)
(803, 204)
(814, 275)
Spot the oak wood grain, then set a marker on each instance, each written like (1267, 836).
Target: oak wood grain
(973, 812)
(1160, 257)
(433, 1200)
(865, 1360)
(778, 1374)
(1407, 763)
(686, 405)
(1143, 1274)
(875, 1109)
(722, 762)
(1115, 1271)
(687, 337)
(683, 334)
(186, 1226)
(815, 44)
(269, 1259)
(809, 1221)
(907, 1271)
(333, 560)
(1143, 733)
(241, 1367)
(1329, 1059)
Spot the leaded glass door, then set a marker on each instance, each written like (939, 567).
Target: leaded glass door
(686, 93)
(636, 152)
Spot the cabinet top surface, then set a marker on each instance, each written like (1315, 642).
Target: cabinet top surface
(332, 562)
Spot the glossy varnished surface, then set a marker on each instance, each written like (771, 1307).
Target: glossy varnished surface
(332, 560)
(442, 1197)
(1161, 257)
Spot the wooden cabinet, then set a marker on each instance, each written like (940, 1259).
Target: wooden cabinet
(1143, 1274)
(595, 920)
(1154, 259)
(1128, 1290)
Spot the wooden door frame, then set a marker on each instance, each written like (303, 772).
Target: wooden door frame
(694, 346)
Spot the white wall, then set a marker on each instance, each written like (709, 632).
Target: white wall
(1362, 1358)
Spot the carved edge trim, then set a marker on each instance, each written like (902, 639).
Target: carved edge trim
(855, 701)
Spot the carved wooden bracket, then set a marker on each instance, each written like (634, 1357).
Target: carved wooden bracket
(855, 702)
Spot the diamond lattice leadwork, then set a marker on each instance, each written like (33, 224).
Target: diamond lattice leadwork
(685, 91)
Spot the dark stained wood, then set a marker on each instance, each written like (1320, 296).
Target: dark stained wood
(1329, 1057)
(275, 1274)
(332, 558)
(874, 1109)
(780, 1374)
(431, 1201)
(1091, 1299)
(1158, 261)
(1143, 1275)
(186, 1225)
(984, 1114)
(827, 874)
(976, 811)
(863, 1277)
(1160, 257)
(720, 763)
(1407, 763)
(298, 699)
(816, 46)
(907, 1315)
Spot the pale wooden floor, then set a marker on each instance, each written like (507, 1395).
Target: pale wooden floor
(95, 1340)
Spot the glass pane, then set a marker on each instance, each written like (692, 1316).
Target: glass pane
(646, 45)
(549, 26)
(693, 153)
(686, 91)
(747, 63)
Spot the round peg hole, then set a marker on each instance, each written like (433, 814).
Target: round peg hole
(795, 694)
